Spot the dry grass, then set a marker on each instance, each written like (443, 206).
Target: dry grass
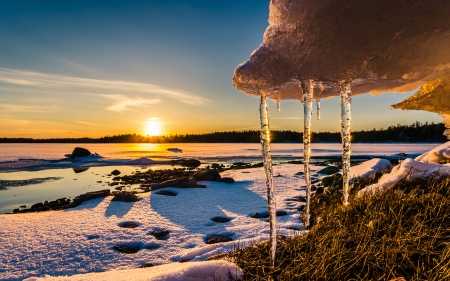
(404, 232)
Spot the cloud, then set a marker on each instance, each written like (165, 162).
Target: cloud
(44, 80)
(121, 103)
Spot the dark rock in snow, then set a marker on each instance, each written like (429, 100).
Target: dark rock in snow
(221, 219)
(149, 264)
(183, 182)
(166, 192)
(208, 175)
(213, 239)
(329, 170)
(127, 249)
(226, 180)
(281, 213)
(80, 152)
(125, 197)
(262, 215)
(37, 205)
(160, 233)
(115, 173)
(129, 224)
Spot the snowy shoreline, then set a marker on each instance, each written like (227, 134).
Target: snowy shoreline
(82, 240)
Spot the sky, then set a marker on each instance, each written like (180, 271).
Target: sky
(95, 68)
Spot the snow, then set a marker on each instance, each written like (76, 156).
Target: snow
(370, 167)
(407, 168)
(209, 270)
(80, 240)
(439, 154)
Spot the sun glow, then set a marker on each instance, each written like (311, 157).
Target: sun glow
(153, 127)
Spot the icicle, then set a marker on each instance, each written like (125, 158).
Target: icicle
(267, 160)
(307, 112)
(318, 108)
(278, 105)
(346, 122)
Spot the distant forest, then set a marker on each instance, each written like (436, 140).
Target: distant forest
(416, 132)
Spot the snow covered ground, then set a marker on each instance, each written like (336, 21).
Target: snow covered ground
(81, 240)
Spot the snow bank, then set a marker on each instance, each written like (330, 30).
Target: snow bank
(407, 168)
(370, 167)
(208, 270)
(439, 154)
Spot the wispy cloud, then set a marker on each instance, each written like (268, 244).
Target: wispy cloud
(37, 79)
(28, 108)
(121, 103)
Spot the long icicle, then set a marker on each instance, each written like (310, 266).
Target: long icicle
(278, 105)
(346, 123)
(307, 112)
(267, 160)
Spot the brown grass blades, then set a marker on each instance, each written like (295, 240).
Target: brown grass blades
(403, 233)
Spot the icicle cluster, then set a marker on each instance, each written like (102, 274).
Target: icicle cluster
(346, 122)
(318, 108)
(267, 160)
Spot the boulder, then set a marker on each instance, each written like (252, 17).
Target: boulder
(129, 224)
(281, 213)
(127, 249)
(183, 182)
(125, 197)
(166, 193)
(213, 239)
(208, 175)
(262, 215)
(115, 173)
(80, 152)
(329, 170)
(226, 180)
(160, 233)
(194, 163)
(92, 195)
(221, 219)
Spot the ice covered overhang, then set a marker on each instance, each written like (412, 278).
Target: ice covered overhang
(433, 96)
(380, 46)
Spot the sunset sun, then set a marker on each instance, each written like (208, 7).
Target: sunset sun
(153, 127)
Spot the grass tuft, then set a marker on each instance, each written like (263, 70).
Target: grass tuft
(401, 233)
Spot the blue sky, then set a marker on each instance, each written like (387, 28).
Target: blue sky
(93, 68)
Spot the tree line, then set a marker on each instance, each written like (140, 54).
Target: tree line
(416, 132)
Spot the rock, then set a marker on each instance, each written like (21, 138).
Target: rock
(23, 206)
(149, 264)
(332, 180)
(281, 213)
(208, 175)
(329, 170)
(240, 165)
(37, 205)
(295, 162)
(226, 180)
(166, 192)
(92, 195)
(115, 173)
(160, 233)
(221, 219)
(217, 239)
(402, 154)
(78, 170)
(127, 249)
(125, 197)
(194, 163)
(16, 211)
(80, 152)
(258, 165)
(263, 215)
(300, 174)
(215, 166)
(301, 199)
(183, 182)
(129, 224)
